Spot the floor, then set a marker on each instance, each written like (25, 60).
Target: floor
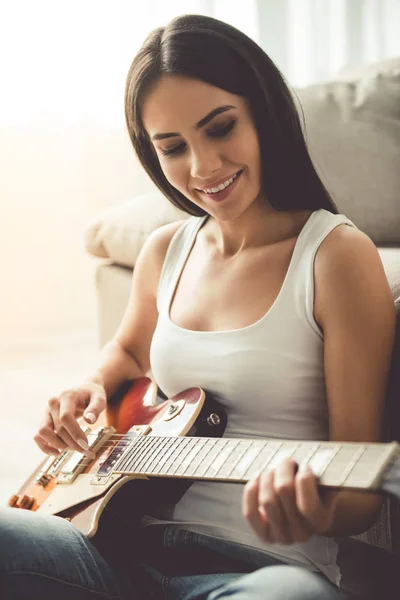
(30, 373)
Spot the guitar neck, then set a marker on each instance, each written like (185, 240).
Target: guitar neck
(348, 465)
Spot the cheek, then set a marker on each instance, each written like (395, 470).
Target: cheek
(247, 149)
(173, 171)
(253, 149)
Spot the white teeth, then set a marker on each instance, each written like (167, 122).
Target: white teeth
(220, 187)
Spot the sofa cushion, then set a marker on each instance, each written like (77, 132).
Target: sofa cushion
(352, 127)
(119, 232)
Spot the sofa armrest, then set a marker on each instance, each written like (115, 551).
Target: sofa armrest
(113, 283)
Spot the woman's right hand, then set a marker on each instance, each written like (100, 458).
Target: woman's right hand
(60, 429)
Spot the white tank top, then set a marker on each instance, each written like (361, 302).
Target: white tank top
(269, 378)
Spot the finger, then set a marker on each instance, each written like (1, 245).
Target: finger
(250, 511)
(299, 528)
(308, 500)
(58, 431)
(45, 447)
(95, 407)
(70, 429)
(73, 445)
(269, 504)
(329, 498)
(48, 435)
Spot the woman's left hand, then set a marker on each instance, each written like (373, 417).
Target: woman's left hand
(284, 506)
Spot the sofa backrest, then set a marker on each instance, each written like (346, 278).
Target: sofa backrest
(352, 126)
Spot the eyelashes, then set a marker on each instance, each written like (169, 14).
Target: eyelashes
(218, 132)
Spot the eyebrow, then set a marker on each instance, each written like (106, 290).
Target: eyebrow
(199, 125)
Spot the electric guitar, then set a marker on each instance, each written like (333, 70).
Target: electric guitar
(163, 446)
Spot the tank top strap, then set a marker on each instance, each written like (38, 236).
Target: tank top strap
(320, 223)
(175, 258)
(298, 291)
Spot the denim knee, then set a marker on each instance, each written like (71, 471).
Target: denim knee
(43, 556)
(278, 583)
(27, 537)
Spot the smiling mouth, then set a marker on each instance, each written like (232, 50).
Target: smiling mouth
(216, 189)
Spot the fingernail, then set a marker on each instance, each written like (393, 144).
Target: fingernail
(85, 447)
(90, 417)
(83, 444)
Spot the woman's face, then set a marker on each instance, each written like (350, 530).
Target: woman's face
(203, 137)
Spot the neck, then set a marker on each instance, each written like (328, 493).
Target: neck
(258, 227)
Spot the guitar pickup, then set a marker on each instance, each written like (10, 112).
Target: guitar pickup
(77, 461)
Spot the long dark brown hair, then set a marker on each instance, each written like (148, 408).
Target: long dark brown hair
(210, 50)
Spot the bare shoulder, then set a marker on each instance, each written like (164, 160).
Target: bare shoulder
(344, 243)
(347, 268)
(140, 318)
(156, 245)
(163, 235)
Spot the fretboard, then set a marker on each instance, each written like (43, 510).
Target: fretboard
(351, 465)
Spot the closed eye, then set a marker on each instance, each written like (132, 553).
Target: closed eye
(222, 131)
(217, 132)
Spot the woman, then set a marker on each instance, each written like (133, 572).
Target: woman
(256, 299)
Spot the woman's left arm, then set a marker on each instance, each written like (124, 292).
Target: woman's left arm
(354, 307)
(356, 311)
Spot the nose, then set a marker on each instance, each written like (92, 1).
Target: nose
(204, 162)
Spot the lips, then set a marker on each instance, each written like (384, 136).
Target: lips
(220, 196)
(213, 185)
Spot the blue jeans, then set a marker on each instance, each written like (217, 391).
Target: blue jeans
(46, 558)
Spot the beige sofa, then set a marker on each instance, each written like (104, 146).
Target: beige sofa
(352, 125)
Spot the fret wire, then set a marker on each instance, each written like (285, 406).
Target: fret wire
(231, 459)
(148, 454)
(166, 448)
(264, 466)
(335, 451)
(178, 460)
(156, 457)
(144, 450)
(249, 447)
(352, 463)
(198, 455)
(185, 451)
(137, 451)
(211, 442)
(151, 467)
(186, 462)
(253, 452)
(202, 451)
(141, 457)
(203, 457)
(219, 447)
(122, 445)
(378, 457)
(131, 452)
(192, 452)
(236, 460)
(334, 473)
(171, 458)
(283, 452)
(121, 452)
(311, 453)
(221, 458)
(164, 468)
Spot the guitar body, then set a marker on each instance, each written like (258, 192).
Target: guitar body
(142, 463)
(135, 408)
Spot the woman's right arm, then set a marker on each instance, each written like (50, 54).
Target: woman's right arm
(126, 356)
